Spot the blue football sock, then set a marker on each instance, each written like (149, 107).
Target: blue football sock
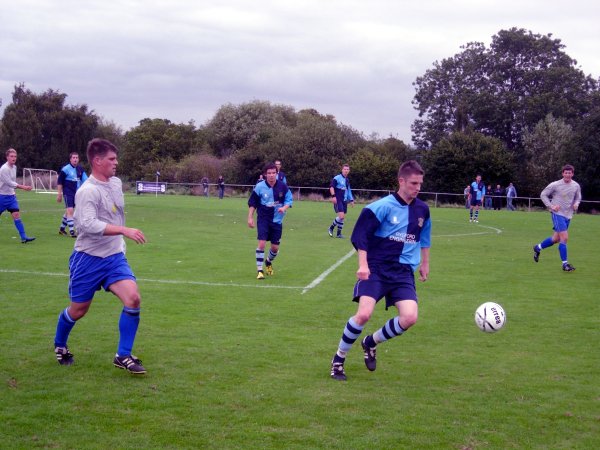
(562, 249)
(128, 325)
(260, 258)
(391, 329)
(20, 228)
(351, 333)
(546, 243)
(63, 328)
(272, 255)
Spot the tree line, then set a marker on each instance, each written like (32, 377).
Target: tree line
(514, 112)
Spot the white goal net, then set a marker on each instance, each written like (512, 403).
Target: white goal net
(41, 180)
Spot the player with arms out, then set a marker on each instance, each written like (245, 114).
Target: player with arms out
(562, 198)
(341, 195)
(476, 195)
(8, 198)
(98, 260)
(271, 198)
(392, 237)
(70, 178)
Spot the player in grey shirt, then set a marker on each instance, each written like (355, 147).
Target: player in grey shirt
(98, 260)
(562, 198)
(8, 199)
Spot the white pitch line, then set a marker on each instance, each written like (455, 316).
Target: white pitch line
(321, 277)
(149, 280)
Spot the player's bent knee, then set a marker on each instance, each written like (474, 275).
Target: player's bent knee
(408, 320)
(362, 318)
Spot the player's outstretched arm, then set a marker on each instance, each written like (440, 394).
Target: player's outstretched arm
(131, 233)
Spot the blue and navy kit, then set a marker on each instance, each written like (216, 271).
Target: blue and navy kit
(71, 178)
(392, 233)
(281, 177)
(341, 188)
(267, 200)
(477, 190)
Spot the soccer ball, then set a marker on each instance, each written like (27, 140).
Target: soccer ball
(490, 317)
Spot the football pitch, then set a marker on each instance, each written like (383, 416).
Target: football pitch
(234, 362)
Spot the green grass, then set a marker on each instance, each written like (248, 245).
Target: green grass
(238, 363)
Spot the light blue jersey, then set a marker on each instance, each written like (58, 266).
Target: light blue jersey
(267, 200)
(341, 187)
(393, 233)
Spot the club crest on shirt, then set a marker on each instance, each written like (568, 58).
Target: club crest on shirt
(395, 220)
(421, 221)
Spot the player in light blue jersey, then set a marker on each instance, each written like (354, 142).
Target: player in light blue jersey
(70, 178)
(280, 173)
(562, 198)
(392, 237)
(271, 198)
(476, 196)
(341, 195)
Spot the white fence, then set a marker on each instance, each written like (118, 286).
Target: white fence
(319, 193)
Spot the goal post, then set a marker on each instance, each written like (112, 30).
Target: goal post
(41, 180)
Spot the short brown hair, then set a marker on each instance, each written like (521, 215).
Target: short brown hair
(9, 151)
(409, 168)
(99, 147)
(568, 167)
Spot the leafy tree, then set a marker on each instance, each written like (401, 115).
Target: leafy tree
(44, 130)
(501, 91)
(455, 161)
(107, 129)
(156, 143)
(235, 127)
(313, 150)
(371, 170)
(547, 149)
(585, 155)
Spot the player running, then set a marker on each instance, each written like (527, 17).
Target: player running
(392, 237)
(98, 260)
(8, 199)
(476, 196)
(70, 178)
(341, 195)
(271, 198)
(562, 198)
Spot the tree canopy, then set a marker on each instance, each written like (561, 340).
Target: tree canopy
(43, 129)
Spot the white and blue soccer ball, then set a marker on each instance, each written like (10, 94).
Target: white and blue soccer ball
(490, 317)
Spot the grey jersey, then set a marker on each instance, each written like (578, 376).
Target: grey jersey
(99, 204)
(565, 195)
(8, 177)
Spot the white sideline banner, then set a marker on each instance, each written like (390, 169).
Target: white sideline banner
(150, 187)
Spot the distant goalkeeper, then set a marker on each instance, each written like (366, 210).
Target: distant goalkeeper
(71, 177)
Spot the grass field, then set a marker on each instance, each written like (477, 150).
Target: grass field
(238, 363)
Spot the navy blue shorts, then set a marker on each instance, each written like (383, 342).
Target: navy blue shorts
(340, 207)
(90, 273)
(69, 200)
(402, 288)
(8, 203)
(267, 230)
(475, 202)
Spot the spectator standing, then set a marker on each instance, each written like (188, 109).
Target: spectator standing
(497, 200)
(221, 184)
(511, 194)
(204, 182)
(488, 198)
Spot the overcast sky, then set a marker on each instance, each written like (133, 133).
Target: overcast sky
(181, 60)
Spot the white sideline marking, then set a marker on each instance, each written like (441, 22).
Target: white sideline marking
(321, 277)
(149, 280)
